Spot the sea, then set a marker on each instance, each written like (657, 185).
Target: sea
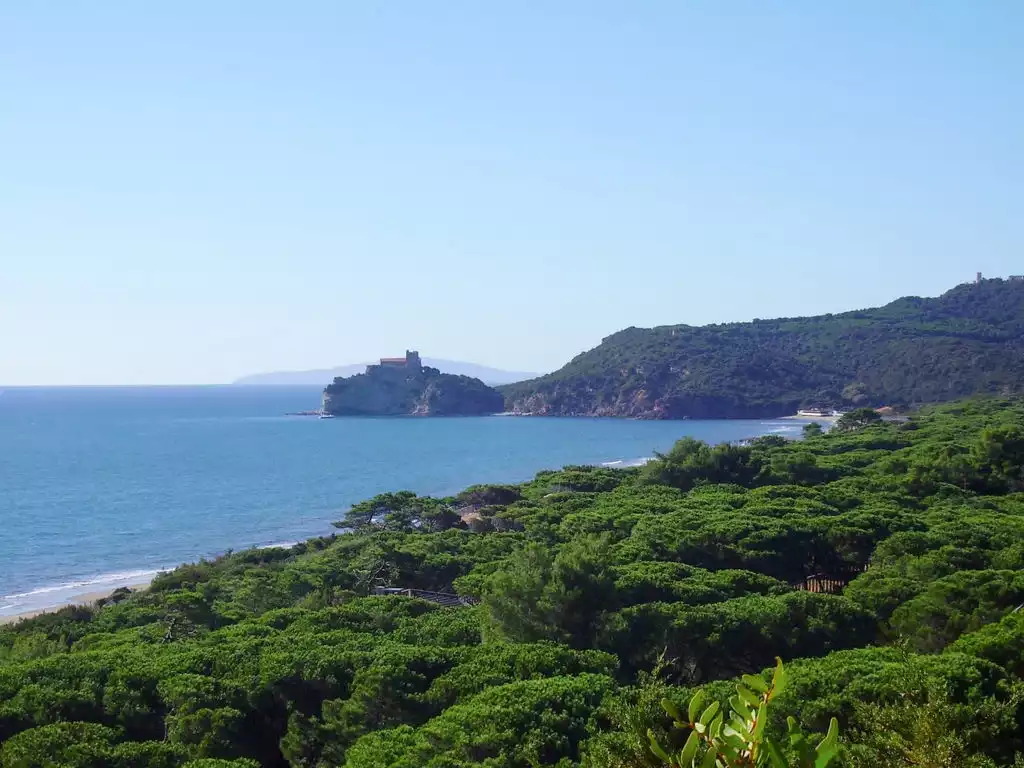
(103, 487)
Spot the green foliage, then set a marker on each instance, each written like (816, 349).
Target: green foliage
(858, 418)
(83, 745)
(402, 511)
(1000, 642)
(588, 579)
(489, 495)
(926, 724)
(738, 736)
(691, 462)
(958, 603)
(1000, 452)
(70, 744)
(537, 722)
(814, 429)
(539, 597)
(721, 640)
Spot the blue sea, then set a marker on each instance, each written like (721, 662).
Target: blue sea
(104, 487)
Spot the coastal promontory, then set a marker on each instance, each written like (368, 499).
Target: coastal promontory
(403, 386)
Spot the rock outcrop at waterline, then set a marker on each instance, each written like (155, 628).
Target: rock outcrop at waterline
(404, 387)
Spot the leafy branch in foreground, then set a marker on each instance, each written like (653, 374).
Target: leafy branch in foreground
(741, 742)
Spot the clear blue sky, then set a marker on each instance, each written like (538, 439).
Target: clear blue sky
(193, 191)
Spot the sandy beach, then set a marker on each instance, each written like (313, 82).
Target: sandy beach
(87, 598)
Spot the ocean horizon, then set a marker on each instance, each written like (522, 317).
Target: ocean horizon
(107, 486)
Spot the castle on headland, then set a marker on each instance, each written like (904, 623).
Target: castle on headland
(403, 386)
(979, 278)
(411, 361)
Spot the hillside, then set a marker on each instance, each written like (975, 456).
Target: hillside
(704, 565)
(409, 391)
(913, 350)
(320, 376)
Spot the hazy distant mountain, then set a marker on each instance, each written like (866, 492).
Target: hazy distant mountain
(324, 376)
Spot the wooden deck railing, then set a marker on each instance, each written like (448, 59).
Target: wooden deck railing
(831, 583)
(441, 598)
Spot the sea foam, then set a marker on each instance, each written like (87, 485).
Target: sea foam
(68, 592)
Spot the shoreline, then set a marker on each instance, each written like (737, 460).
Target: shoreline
(85, 599)
(138, 580)
(36, 604)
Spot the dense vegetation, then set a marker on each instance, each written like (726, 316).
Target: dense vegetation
(600, 594)
(413, 391)
(912, 351)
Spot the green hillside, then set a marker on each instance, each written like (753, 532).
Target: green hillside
(915, 350)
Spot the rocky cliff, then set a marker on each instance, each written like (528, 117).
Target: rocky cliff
(386, 391)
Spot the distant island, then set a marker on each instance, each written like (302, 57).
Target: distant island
(912, 351)
(321, 376)
(403, 386)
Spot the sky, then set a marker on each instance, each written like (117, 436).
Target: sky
(192, 191)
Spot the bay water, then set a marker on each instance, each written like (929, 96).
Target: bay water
(103, 487)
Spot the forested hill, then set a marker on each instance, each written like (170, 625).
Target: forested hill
(882, 561)
(915, 350)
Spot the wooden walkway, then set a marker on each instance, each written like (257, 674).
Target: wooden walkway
(829, 583)
(821, 583)
(441, 598)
